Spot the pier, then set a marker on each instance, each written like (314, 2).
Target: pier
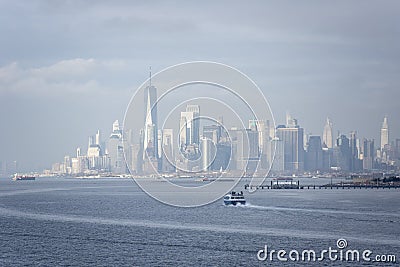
(296, 185)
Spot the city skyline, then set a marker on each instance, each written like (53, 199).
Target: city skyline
(310, 152)
(89, 59)
(191, 124)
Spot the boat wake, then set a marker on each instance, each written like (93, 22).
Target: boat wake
(5, 212)
(325, 211)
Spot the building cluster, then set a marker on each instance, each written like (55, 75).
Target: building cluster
(208, 147)
(284, 149)
(297, 152)
(8, 167)
(101, 157)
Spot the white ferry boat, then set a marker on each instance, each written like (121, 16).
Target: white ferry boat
(234, 198)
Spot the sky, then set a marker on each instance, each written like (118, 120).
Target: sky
(68, 68)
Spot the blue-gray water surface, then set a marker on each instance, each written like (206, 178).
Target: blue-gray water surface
(112, 222)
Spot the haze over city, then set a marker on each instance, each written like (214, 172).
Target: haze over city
(70, 68)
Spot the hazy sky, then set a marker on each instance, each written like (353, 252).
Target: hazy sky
(68, 68)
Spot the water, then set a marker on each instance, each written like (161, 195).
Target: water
(61, 221)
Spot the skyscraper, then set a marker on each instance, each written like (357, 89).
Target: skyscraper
(327, 137)
(245, 149)
(314, 154)
(368, 154)
(212, 132)
(292, 138)
(264, 141)
(384, 133)
(189, 128)
(168, 157)
(278, 165)
(93, 153)
(208, 151)
(115, 151)
(150, 138)
(355, 164)
(342, 153)
(260, 127)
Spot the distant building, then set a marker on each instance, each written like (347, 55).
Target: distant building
(368, 154)
(278, 164)
(8, 168)
(189, 128)
(327, 137)
(94, 153)
(342, 153)
(313, 160)
(149, 162)
(213, 132)
(115, 150)
(135, 159)
(245, 150)
(208, 151)
(222, 156)
(168, 156)
(384, 134)
(264, 141)
(355, 162)
(397, 149)
(67, 165)
(327, 158)
(292, 138)
(150, 134)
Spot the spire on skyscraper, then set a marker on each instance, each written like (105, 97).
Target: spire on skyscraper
(150, 76)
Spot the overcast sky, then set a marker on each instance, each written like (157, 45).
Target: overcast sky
(68, 68)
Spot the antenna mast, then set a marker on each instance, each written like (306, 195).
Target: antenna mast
(150, 75)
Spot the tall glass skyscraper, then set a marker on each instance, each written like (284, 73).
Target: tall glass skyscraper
(150, 138)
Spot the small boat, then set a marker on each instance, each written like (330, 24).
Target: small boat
(234, 198)
(23, 177)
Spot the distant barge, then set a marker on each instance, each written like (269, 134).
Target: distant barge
(23, 177)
